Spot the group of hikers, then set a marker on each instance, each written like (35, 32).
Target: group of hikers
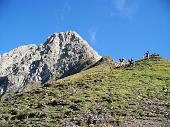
(131, 62)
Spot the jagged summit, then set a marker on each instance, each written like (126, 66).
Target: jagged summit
(65, 36)
(62, 54)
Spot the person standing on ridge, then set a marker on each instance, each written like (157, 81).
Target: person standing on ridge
(146, 55)
(131, 62)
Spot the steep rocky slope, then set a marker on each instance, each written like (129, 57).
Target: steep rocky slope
(62, 54)
(103, 95)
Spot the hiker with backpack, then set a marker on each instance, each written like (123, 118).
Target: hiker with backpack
(131, 62)
(122, 61)
(147, 55)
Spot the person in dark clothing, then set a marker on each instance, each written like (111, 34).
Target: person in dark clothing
(146, 55)
(122, 61)
(131, 62)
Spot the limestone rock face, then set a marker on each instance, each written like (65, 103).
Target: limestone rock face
(62, 54)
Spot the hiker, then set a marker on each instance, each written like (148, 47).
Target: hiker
(131, 62)
(122, 61)
(146, 55)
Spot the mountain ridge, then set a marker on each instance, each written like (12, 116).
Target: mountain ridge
(103, 95)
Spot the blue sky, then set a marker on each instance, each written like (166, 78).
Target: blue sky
(118, 28)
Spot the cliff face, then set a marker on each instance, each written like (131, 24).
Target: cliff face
(62, 54)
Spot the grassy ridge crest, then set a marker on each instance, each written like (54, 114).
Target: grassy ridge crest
(99, 96)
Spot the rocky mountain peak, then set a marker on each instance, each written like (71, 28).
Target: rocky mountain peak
(62, 54)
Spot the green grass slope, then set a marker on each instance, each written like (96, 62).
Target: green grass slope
(100, 96)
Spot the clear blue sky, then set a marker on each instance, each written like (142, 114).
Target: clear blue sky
(119, 28)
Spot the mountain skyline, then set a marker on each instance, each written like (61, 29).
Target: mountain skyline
(75, 63)
(119, 28)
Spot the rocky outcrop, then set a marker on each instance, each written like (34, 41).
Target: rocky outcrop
(62, 54)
